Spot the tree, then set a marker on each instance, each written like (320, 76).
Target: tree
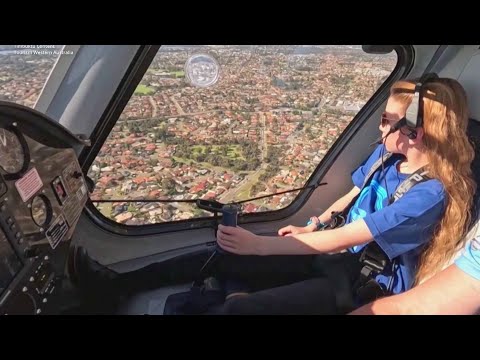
(168, 185)
(153, 162)
(200, 157)
(160, 133)
(240, 166)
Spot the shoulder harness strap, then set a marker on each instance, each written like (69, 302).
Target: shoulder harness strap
(417, 177)
(376, 165)
(373, 257)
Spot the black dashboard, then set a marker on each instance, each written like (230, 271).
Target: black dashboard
(42, 194)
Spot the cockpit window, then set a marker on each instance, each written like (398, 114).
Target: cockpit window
(230, 123)
(24, 69)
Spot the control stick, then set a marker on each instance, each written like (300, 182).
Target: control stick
(229, 218)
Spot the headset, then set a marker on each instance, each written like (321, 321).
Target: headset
(414, 115)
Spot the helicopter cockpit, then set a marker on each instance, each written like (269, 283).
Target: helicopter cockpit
(130, 152)
(43, 192)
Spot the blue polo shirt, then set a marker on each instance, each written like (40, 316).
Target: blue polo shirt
(402, 228)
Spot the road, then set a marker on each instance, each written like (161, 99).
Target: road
(177, 105)
(250, 180)
(263, 138)
(154, 106)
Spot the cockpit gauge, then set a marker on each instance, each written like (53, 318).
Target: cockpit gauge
(14, 155)
(41, 211)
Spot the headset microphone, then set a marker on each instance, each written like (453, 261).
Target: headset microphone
(377, 142)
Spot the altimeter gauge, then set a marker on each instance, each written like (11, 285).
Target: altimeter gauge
(14, 155)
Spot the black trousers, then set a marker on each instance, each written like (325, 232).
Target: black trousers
(291, 285)
(258, 272)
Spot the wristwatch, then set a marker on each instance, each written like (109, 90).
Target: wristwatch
(315, 220)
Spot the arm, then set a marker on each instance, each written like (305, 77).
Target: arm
(451, 291)
(396, 229)
(339, 205)
(325, 218)
(240, 241)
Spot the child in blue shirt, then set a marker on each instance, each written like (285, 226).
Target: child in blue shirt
(401, 228)
(425, 224)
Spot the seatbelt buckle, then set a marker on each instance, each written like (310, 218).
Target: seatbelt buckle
(366, 272)
(375, 261)
(337, 220)
(372, 264)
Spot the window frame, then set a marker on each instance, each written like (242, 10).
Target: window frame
(126, 89)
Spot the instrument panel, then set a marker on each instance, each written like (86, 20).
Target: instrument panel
(42, 194)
